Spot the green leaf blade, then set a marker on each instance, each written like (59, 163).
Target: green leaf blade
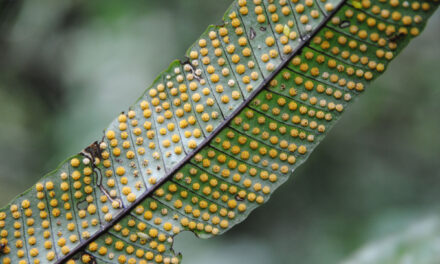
(213, 136)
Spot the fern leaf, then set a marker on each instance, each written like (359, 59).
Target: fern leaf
(213, 136)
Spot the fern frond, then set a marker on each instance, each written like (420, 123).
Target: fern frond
(213, 136)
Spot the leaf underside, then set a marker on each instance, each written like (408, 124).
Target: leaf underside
(213, 136)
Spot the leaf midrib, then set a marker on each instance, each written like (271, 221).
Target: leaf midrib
(127, 210)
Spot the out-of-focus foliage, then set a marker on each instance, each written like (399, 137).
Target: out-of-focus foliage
(376, 172)
(419, 243)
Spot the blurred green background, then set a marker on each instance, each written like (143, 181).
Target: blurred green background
(370, 191)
